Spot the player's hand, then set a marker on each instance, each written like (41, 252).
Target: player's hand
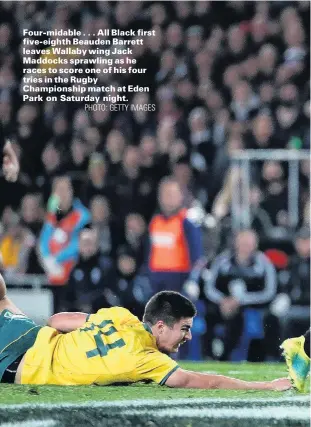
(281, 384)
(10, 166)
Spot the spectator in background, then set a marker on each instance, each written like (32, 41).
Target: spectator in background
(142, 121)
(298, 316)
(96, 182)
(132, 290)
(32, 212)
(267, 61)
(167, 66)
(289, 124)
(115, 145)
(153, 167)
(134, 236)
(149, 156)
(6, 216)
(240, 278)
(109, 234)
(58, 241)
(100, 119)
(88, 289)
(127, 182)
(260, 220)
(203, 149)
(244, 101)
(186, 92)
(78, 161)
(92, 139)
(176, 151)
(182, 173)
(261, 135)
(30, 133)
(61, 130)
(80, 121)
(306, 125)
(10, 163)
(15, 245)
(304, 180)
(275, 202)
(32, 215)
(175, 241)
(21, 186)
(266, 93)
(194, 39)
(51, 160)
(8, 157)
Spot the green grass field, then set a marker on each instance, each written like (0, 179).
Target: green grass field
(12, 394)
(142, 405)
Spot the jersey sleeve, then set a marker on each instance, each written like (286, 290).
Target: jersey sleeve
(155, 366)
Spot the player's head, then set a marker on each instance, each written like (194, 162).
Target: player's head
(170, 316)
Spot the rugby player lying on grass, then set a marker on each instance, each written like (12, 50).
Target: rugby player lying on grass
(111, 346)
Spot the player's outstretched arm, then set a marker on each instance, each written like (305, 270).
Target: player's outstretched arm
(67, 322)
(188, 379)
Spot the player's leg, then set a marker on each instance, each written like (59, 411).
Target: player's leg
(297, 355)
(5, 302)
(17, 335)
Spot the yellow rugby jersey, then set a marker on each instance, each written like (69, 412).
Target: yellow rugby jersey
(113, 346)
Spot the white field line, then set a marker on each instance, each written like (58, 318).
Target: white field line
(30, 423)
(236, 372)
(268, 412)
(166, 403)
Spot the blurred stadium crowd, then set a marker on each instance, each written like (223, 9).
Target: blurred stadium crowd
(225, 77)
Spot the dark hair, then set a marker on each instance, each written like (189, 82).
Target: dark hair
(169, 307)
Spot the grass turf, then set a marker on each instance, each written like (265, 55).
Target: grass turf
(14, 394)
